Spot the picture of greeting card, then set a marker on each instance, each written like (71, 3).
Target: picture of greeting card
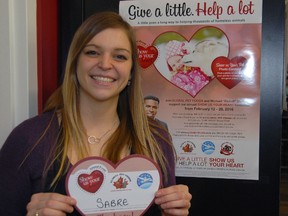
(103, 188)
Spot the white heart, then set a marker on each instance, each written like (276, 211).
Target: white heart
(103, 188)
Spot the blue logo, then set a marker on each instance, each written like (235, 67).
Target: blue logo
(208, 147)
(144, 180)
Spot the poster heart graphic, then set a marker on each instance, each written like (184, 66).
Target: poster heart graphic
(91, 182)
(103, 188)
(147, 55)
(187, 63)
(229, 72)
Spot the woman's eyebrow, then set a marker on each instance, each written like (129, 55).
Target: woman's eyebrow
(117, 49)
(94, 45)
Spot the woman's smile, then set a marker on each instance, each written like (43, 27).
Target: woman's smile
(104, 65)
(102, 79)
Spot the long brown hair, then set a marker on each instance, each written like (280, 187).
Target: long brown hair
(134, 129)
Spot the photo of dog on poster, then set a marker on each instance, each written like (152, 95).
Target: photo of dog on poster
(187, 63)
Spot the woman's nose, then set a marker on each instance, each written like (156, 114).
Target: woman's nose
(105, 62)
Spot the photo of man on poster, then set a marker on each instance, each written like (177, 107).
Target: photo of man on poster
(151, 105)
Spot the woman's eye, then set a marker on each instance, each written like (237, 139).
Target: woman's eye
(121, 57)
(91, 52)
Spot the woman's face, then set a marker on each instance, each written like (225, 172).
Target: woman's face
(104, 66)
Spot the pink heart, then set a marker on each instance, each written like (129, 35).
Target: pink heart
(187, 63)
(229, 72)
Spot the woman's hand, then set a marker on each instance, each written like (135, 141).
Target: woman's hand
(174, 200)
(54, 204)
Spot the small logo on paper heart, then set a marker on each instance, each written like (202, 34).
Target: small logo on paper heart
(147, 55)
(121, 183)
(91, 183)
(229, 72)
(144, 181)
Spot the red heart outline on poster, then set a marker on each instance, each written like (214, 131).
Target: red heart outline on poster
(91, 182)
(187, 63)
(147, 55)
(229, 72)
(136, 173)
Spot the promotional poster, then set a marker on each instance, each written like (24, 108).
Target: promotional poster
(200, 61)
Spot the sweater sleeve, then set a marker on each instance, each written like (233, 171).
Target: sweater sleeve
(21, 165)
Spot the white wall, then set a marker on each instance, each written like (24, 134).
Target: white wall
(18, 64)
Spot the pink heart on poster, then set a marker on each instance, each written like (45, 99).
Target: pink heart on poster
(103, 188)
(147, 55)
(187, 63)
(229, 72)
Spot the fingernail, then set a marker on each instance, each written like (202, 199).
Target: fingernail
(158, 193)
(73, 201)
(156, 201)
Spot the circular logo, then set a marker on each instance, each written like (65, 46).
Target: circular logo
(227, 148)
(208, 147)
(144, 181)
(187, 146)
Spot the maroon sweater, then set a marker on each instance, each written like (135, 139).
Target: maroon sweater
(20, 177)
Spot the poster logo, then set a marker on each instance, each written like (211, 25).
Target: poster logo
(227, 148)
(188, 147)
(208, 147)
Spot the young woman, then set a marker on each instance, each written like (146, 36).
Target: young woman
(97, 111)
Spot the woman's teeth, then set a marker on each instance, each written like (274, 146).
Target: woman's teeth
(102, 79)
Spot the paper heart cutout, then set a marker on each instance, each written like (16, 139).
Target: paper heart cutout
(91, 182)
(187, 63)
(229, 72)
(115, 188)
(147, 55)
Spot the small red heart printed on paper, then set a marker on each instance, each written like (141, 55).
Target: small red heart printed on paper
(229, 72)
(91, 182)
(147, 55)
